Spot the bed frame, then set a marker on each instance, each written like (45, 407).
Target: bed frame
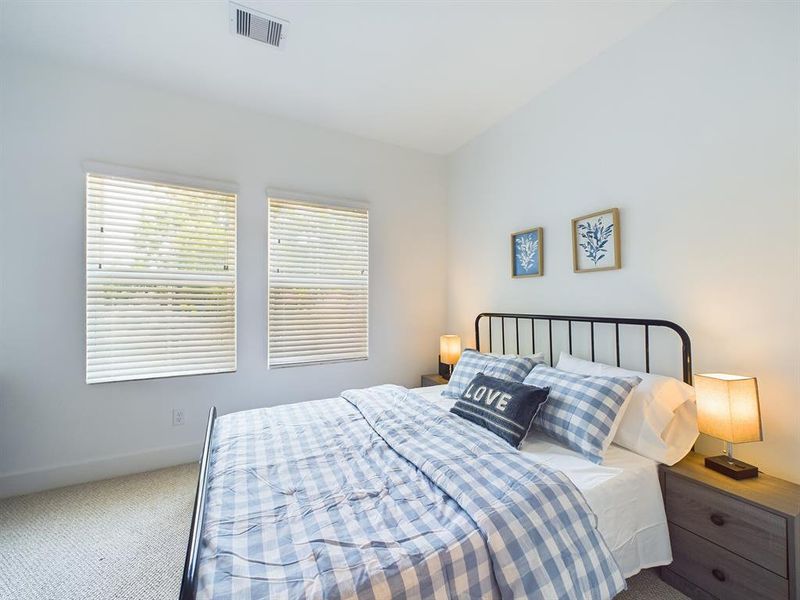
(189, 581)
(647, 324)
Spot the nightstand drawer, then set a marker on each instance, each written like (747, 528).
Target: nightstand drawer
(720, 572)
(747, 530)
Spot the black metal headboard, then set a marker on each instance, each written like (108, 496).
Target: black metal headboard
(686, 344)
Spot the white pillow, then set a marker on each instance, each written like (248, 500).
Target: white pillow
(660, 419)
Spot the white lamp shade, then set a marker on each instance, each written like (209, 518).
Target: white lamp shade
(449, 349)
(728, 408)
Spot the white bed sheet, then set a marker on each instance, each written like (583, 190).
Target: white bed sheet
(623, 492)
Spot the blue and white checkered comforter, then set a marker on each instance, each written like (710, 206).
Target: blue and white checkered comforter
(381, 494)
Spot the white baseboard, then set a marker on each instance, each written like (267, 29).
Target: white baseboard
(26, 482)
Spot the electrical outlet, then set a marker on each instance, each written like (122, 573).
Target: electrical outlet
(177, 417)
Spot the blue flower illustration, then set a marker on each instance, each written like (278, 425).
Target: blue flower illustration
(594, 237)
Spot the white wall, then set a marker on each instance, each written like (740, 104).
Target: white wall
(690, 127)
(55, 429)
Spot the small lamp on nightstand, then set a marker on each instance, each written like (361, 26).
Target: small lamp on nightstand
(449, 352)
(728, 409)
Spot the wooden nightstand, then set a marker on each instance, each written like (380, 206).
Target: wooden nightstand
(736, 540)
(433, 379)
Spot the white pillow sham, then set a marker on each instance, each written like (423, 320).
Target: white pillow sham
(660, 419)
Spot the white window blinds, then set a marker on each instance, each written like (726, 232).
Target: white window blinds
(160, 280)
(318, 283)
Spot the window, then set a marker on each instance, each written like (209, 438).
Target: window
(160, 280)
(318, 283)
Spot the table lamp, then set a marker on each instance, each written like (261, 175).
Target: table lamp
(449, 351)
(728, 409)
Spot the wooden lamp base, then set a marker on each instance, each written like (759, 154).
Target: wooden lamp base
(731, 467)
(445, 370)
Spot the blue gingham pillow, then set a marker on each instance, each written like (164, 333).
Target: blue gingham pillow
(509, 368)
(506, 408)
(581, 410)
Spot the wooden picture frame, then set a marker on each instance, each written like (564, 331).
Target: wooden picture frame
(527, 261)
(597, 246)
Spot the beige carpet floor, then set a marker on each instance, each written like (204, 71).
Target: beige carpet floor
(126, 538)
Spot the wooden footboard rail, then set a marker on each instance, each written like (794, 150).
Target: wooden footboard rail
(189, 581)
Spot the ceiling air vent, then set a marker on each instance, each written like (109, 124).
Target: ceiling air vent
(257, 26)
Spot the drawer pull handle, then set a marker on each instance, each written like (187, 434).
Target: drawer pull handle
(717, 520)
(718, 575)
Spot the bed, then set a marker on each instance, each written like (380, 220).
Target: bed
(384, 493)
(624, 493)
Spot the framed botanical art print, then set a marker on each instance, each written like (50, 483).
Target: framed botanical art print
(526, 253)
(595, 242)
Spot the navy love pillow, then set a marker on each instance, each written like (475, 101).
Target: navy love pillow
(505, 408)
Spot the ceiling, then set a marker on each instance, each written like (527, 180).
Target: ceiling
(423, 75)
